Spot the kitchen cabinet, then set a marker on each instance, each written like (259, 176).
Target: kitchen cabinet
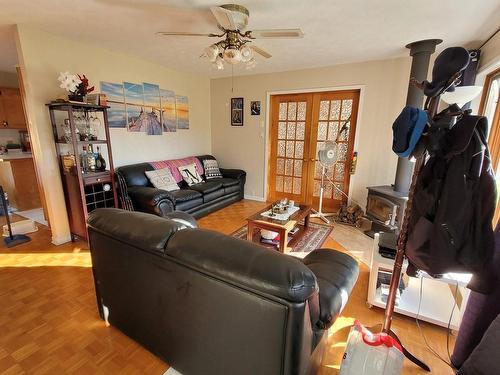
(11, 109)
(17, 176)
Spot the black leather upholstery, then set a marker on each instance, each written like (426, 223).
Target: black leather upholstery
(251, 266)
(136, 191)
(117, 224)
(184, 219)
(207, 303)
(183, 195)
(336, 277)
(207, 187)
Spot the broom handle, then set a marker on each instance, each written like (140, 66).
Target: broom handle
(6, 211)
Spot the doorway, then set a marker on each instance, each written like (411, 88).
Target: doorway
(299, 126)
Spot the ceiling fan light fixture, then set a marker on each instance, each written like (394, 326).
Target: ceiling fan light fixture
(246, 53)
(219, 63)
(212, 52)
(250, 63)
(232, 55)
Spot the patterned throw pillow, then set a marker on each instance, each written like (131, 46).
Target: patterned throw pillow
(162, 179)
(190, 174)
(211, 169)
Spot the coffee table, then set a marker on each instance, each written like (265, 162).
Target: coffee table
(283, 227)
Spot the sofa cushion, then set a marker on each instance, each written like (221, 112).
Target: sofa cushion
(208, 197)
(336, 273)
(162, 179)
(211, 168)
(207, 187)
(174, 164)
(184, 195)
(190, 174)
(232, 189)
(189, 204)
(226, 181)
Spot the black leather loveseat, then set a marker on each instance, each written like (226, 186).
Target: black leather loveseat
(137, 193)
(210, 304)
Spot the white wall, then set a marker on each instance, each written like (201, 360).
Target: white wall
(385, 85)
(42, 56)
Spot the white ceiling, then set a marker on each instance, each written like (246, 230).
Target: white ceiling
(335, 31)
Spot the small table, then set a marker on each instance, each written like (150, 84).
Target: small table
(283, 227)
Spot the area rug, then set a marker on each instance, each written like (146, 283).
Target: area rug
(354, 241)
(314, 237)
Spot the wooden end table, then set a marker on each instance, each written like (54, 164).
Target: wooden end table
(283, 227)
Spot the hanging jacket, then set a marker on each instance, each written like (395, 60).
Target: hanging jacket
(450, 228)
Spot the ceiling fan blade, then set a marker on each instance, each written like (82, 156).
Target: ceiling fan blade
(181, 33)
(277, 33)
(261, 52)
(224, 18)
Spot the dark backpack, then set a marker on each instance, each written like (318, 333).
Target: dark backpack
(450, 227)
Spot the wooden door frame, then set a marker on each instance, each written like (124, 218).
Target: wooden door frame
(494, 136)
(267, 141)
(41, 190)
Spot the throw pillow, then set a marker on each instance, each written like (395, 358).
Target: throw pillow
(211, 169)
(190, 174)
(162, 179)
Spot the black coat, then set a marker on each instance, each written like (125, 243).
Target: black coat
(454, 203)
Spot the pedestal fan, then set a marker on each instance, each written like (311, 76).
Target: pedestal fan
(327, 157)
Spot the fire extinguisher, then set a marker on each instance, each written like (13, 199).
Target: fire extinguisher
(353, 162)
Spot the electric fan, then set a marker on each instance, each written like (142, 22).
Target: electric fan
(327, 158)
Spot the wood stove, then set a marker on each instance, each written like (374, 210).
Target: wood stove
(385, 207)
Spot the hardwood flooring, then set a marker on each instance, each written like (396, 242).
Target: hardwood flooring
(49, 322)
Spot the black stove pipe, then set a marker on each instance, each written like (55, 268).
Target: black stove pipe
(420, 52)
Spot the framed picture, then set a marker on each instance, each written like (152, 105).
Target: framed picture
(236, 111)
(255, 108)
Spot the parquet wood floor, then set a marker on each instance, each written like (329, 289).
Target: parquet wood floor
(49, 322)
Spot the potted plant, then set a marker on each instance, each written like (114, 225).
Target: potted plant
(76, 85)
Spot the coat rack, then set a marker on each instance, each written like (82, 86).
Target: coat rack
(415, 98)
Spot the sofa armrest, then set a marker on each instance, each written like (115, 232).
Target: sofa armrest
(151, 200)
(233, 173)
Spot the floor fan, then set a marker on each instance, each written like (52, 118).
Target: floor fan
(327, 157)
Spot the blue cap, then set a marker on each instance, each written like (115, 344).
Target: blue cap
(407, 130)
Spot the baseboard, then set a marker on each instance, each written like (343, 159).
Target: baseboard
(60, 240)
(254, 198)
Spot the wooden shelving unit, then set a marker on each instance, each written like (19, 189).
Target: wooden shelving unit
(84, 191)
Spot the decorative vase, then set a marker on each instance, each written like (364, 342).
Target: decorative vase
(75, 97)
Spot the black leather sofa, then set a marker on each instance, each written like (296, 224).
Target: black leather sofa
(210, 304)
(137, 193)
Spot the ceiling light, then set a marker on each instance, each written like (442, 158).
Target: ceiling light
(219, 63)
(246, 53)
(232, 55)
(212, 52)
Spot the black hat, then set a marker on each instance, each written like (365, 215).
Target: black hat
(448, 63)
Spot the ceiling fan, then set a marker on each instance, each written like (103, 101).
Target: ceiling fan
(232, 20)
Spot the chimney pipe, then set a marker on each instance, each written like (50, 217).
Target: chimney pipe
(420, 52)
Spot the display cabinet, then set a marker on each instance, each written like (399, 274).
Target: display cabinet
(83, 147)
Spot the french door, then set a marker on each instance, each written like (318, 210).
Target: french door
(300, 125)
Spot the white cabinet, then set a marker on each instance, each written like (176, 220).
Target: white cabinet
(438, 295)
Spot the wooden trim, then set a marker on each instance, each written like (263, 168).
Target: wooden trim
(486, 89)
(494, 136)
(41, 190)
(313, 100)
